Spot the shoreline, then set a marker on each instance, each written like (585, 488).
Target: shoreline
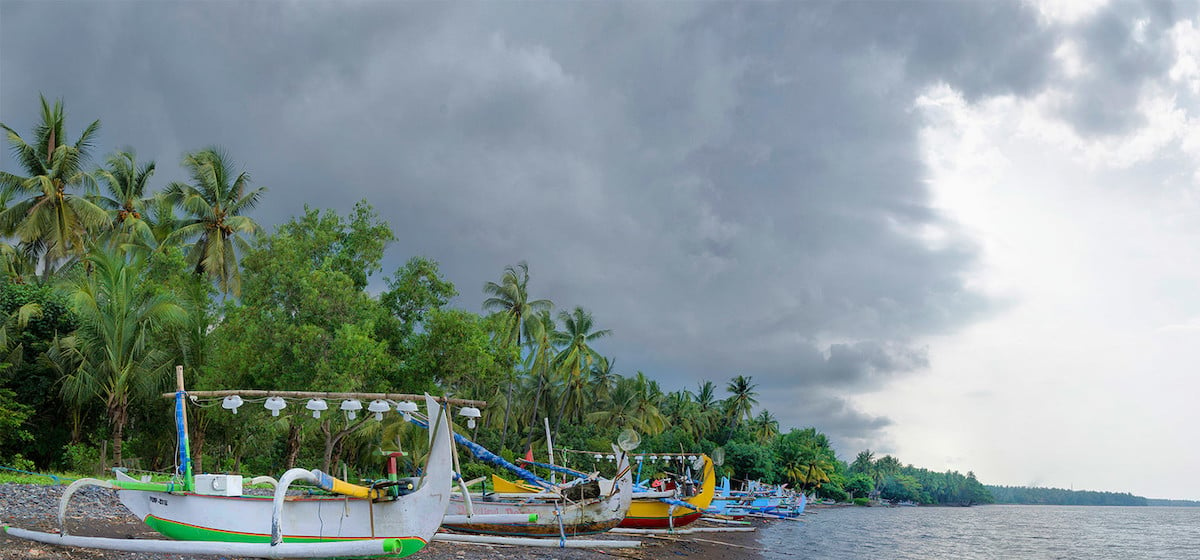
(97, 512)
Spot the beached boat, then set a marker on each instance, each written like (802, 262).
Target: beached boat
(209, 514)
(674, 507)
(582, 508)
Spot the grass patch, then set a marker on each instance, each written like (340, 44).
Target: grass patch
(38, 479)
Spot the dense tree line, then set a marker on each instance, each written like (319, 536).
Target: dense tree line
(1026, 495)
(107, 283)
(886, 478)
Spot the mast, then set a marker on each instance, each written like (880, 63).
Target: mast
(181, 428)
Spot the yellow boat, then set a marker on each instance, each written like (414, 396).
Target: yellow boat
(650, 513)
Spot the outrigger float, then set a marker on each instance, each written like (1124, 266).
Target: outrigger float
(214, 518)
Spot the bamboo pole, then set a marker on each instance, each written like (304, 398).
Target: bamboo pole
(320, 395)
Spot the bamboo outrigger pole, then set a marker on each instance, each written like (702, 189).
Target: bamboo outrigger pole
(321, 395)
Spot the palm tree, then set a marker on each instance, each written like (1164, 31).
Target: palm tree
(766, 427)
(604, 378)
(648, 402)
(740, 404)
(51, 221)
(119, 314)
(126, 200)
(810, 471)
(635, 404)
(885, 467)
(707, 407)
(863, 463)
(214, 203)
(511, 298)
(575, 357)
(540, 330)
(18, 265)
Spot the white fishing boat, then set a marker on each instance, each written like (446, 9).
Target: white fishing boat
(210, 515)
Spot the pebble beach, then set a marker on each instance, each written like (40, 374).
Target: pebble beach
(97, 512)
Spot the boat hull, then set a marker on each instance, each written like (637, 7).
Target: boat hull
(594, 516)
(410, 520)
(654, 514)
(554, 518)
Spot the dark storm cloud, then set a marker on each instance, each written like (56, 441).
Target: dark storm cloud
(732, 188)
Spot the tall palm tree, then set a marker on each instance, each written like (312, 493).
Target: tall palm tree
(766, 427)
(648, 402)
(125, 198)
(741, 401)
(707, 407)
(51, 221)
(604, 378)
(119, 315)
(214, 203)
(632, 406)
(863, 462)
(539, 329)
(511, 298)
(885, 467)
(576, 356)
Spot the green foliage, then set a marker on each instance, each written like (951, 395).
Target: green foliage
(1026, 495)
(31, 384)
(111, 356)
(859, 485)
(455, 350)
(213, 204)
(137, 295)
(12, 418)
(313, 331)
(80, 457)
(414, 291)
(49, 220)
(862, 502)
(833, 492)
(751, 461)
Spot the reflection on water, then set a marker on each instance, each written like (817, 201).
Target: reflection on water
(988, 532)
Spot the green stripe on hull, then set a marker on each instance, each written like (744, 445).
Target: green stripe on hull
(394, 547)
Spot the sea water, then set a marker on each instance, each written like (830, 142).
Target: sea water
(995, 531)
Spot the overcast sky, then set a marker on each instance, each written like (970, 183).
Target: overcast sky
(966, 233)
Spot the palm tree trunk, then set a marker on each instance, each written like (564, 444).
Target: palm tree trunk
(293, 446)
(118, 433)
(198, 450)
(507, 408)
(537, 400)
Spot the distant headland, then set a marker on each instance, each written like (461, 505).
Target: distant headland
(1025, 495)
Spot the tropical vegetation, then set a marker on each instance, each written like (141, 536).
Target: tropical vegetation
(110, 280)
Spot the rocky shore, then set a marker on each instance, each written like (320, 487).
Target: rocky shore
(97, 512)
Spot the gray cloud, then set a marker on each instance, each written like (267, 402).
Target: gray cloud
(729, 187)
(1127, 48)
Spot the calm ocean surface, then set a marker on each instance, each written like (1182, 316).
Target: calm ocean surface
(988, 532)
